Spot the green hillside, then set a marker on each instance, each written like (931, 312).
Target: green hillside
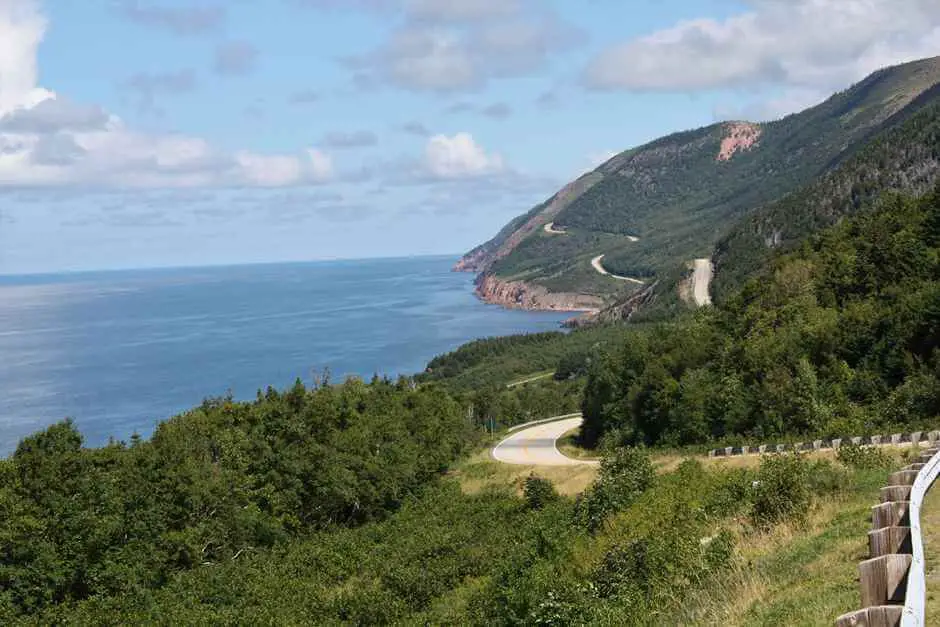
(680, 195)
(905, 158)
(837, 338)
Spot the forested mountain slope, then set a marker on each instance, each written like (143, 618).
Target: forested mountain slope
(651, 209)
(904, 158)
(840, 337)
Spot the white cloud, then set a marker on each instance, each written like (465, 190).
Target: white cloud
(804, 44)
(52, 115)
(464, 44)
(22, 27)
(270, 171)
(459, 157)
(47, 140)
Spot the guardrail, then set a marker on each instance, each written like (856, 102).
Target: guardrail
(892, 580)
(822, 445)
(543, 421)
(914, 614)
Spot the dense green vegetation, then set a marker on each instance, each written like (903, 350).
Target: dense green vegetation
(837, 339)
(904, 158)
(212, 486)
(494, 362)
(654, 550)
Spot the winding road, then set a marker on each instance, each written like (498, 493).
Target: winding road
(537, 445)
(701, 280)
(596, 263)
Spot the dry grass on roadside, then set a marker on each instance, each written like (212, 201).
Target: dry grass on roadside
(568, 446)
(796, 575)
(668, 462)
(481, 471)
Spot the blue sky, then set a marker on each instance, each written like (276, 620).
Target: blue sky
(137, 133)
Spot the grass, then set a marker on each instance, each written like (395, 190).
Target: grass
(805, 575)
(668, 460)
(792, 575)
(568, 446)
(789, 575)
(930, 524)
(482, 471)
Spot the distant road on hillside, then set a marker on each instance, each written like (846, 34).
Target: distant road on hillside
(596, 264)
(701, 280)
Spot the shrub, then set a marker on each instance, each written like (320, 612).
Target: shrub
(623, 477)
(731, 492)
(573, 365)
(719, 551)
(538, 492)
(863, 458)
(782, 491)
(826, 478)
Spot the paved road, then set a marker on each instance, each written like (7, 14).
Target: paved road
(550, 228)
(701, 280)
(596, 262)
(536, 446)
(537, 377)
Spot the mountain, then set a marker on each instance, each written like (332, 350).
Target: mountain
(639, 219)
(903, 158)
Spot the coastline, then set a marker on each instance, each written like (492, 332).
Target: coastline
(526, 296)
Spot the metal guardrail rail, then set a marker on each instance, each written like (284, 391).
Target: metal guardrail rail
(893, 579)
(543, 421)
(916, 595)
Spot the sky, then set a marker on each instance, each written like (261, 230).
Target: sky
(150, 133)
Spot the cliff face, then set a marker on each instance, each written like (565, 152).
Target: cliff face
(474, 261)
(522, 295)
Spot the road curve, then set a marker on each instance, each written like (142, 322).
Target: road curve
(596, 263)
(701, 279)
(551, 230)
(536, 446)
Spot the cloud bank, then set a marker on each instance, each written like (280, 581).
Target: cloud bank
(49, 140)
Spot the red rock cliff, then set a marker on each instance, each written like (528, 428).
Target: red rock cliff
(522, 295)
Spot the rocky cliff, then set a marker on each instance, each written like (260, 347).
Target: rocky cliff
(522, 295)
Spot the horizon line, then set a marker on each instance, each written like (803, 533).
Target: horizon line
(236, 264)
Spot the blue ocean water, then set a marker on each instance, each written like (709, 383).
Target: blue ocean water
(120, 351)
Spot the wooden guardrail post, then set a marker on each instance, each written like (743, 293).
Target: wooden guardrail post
(884, 579)
(882, 616)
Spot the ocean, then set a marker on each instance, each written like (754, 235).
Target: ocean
(120, 351)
